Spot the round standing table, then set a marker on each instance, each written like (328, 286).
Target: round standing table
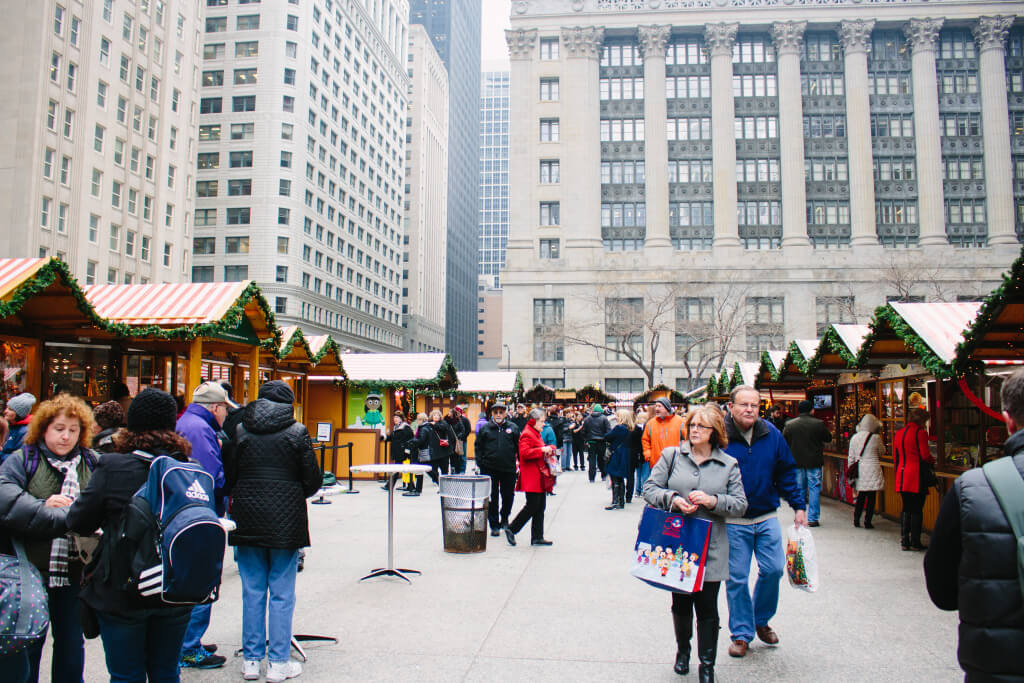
(391, 468)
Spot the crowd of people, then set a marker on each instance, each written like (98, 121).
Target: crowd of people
(70, 471)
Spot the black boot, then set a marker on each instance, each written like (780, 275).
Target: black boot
(707, 649)
(621, 486)
(684, 633)
(916, 521)
(905, 530)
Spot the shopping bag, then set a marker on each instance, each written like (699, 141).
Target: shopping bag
(801, 560)
(671, 550)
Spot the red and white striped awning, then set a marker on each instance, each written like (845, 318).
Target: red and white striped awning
(15, 271)
(165, 304)
(940, 325)
(390, 367)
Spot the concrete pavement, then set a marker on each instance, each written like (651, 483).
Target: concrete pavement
(571, 612)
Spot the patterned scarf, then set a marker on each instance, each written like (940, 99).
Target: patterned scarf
(62, 546)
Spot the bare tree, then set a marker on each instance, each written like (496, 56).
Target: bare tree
(907, 276)
(633, 326)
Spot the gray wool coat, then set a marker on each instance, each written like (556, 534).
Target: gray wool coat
(676, 474)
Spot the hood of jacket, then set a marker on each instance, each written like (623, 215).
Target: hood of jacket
(869, 423)
(266, 417)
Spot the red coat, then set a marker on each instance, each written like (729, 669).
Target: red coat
(534, 476)
(911, 447)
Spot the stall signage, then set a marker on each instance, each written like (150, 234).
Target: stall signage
(243, 333)
(571, 395)
(323, 432)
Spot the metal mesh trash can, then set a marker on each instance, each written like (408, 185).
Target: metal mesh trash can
(464, 501)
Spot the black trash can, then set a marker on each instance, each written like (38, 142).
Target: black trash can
(464, 501)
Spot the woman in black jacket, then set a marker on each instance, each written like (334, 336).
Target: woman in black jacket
(398, 441)
(578, 442)
(37, 484)
(437, 436)
(271, 472)
(142, 636)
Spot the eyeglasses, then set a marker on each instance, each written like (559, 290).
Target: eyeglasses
(699, 427)
(747, 406)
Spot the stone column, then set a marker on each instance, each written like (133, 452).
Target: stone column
(719, 39)
(990, 34)
(581, 136)
(922, 34)
(652, 44)
(523, 135)
(855, 35)
(788, 37)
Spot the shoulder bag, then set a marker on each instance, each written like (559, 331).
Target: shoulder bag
(853, 471)
(1007, 484)
(24, 616)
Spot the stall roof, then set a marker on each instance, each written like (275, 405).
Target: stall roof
(921, 333)
(997, 333)
(424, 370)
(319, 350)
(490, 382)
(838, 348)
(748, 373)
(40, 297)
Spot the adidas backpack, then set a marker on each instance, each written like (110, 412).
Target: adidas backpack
(169, 542)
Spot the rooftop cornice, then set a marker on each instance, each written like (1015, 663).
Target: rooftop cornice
(569, 8)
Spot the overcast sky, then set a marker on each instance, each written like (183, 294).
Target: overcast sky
(494, 19)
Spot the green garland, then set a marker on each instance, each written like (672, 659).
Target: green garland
(831, 341)
(737, 377)
(673, 395)
(1010, 291)
(712, 387)
(886, 316)
(591, 394)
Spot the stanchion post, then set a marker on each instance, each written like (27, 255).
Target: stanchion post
(349, 447)
(323, 461)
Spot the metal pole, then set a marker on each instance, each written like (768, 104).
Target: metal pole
(391, 522)
(321, 500)
(349, 447)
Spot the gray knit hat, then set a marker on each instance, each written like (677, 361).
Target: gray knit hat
(22, 404)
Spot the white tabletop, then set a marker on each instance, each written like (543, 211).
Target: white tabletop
(392, 467)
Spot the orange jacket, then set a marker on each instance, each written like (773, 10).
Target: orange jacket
(660, 434)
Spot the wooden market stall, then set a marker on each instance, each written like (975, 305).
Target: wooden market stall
(378, 384)
(184, 334)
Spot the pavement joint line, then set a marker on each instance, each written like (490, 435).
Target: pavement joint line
(508, 597)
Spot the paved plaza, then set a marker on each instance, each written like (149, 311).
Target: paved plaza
(571, 612)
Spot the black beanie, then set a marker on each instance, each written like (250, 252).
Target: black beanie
(150, 410)
(277, 391)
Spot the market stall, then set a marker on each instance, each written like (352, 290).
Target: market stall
(479, 390)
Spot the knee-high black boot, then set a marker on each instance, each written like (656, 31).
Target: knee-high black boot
(916, 522)
(684, 633)
(707, 649)
(905, 530)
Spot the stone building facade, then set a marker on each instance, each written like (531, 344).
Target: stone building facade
(732, 176)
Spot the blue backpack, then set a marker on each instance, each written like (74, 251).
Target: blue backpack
(169, 542)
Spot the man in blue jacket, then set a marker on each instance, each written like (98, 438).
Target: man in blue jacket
(768, 471)
(199, 424)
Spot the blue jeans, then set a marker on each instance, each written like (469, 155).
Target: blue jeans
(764, 541)
(642, 474)
(68, 657)
(808, 480)
(566, 455)
(146, 644)
(267, 570)
(197, 625)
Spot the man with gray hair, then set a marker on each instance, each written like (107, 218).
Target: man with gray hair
(974, 560)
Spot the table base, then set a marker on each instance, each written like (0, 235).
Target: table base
(384, 571)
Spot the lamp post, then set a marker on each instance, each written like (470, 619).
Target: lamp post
(508, 356)
(563, 377)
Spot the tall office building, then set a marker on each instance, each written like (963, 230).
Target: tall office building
(301, 161)
(99, 119)
(426, 197)
(493, 174)
(454, 28)
(782, 165)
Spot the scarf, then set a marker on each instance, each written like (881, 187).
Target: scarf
(62, 546)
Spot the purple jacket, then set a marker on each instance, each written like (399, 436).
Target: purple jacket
(199, 426)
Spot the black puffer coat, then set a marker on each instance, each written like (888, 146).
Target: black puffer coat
(971, 565)
(430, 436)
(399, 439)
(271, 472)
(497, 447)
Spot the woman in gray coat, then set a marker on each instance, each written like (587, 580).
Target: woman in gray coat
(699, 479)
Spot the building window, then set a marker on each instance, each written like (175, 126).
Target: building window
(548, 329)
(695, 342)
(167, 254)
(242, 131)
(216, 24)
(549, 171)
(626, 130)
(247, 22)
(282, 245)
(549, 89)
(243, 103)
(206, 217)
(236, 245)
(292, 23)
(115, 237)
(549, 49)
(213, 51)
(238, 216)
(239, 187)
(623, 385)
(204, 245)
(549, 213)
(549, 130)
(834, 310)
(625, 172)
(144, 249)
(202, 273)
(623, 328)
(129, 243)
(759, 127)
(245, 76)
(206, 188)
(213, 78)
(284, 215)
(90, 272)
(248, 48)
(280, 305)
(281, 274)
(624, 88)
(549, 249)
(765, 319)
(208, 160)
(211, 105)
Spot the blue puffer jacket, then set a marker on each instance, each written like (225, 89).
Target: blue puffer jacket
(15, 437)
(767, 468)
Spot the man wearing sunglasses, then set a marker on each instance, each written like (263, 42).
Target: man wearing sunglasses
(768, 471)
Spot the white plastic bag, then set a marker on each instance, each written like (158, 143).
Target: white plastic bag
(801, 559)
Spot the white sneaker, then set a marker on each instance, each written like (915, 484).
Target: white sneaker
(251, 670)
(281, 671)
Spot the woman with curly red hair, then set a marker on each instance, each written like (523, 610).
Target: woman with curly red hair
(36, 487)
